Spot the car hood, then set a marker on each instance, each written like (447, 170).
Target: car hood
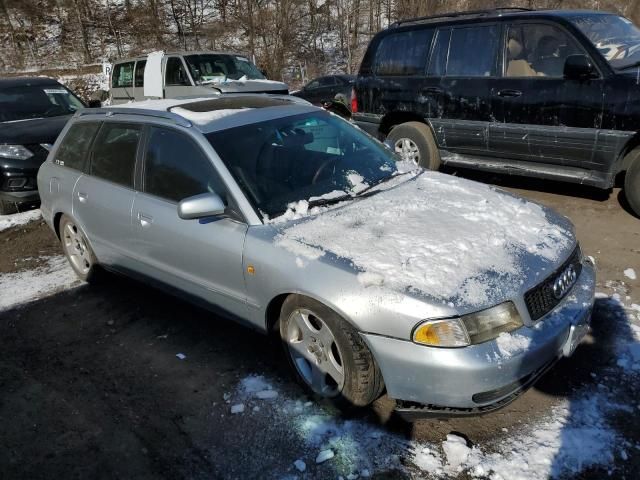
(250, 86)
(32, 131)
(438, 237)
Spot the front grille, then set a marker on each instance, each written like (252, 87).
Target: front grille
(540, 300)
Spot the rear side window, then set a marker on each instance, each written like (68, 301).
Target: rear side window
(438, 62)
(122, 75)
(403, 53)
(176, 168)
(114, 153)
(175, 73)
(472, 51)
(74, 149)
(139, 81)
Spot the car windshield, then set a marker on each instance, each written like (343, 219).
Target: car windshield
(216, 68)
(29, 101)
(616, 37)
(312, 156)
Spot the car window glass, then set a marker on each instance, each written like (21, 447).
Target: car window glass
(403, 53)
(73, 150)
(438, 63)
(176, 168)
(122, 75)
(175, 73)
(37, 101)
(538, 50)
(313, 84)
(327, 81)
(114, 153)
(465, 58)
(139, 81)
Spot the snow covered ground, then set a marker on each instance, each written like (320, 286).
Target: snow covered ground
(8, 221)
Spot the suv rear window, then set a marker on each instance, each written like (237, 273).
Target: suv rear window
(114, 153)
(72, 152)
(403, 53)
(466, 59)
(122, 75)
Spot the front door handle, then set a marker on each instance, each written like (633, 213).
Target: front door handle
(82, 197)
(509, 93)
(145, 220)
(432, 91)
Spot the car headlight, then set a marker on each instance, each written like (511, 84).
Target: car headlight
(17, 152)
(469, 329)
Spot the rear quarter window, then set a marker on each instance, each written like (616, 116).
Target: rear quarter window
(74, 149)
(122, 75)
(403, 53)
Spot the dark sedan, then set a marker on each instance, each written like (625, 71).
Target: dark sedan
(329, 89)
(33, 111)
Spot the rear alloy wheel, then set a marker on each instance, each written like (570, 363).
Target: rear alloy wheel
(632, 186)
(414, 142)
(327, 355)
(77, 249)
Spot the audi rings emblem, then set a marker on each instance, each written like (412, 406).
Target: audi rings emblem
(564, 282)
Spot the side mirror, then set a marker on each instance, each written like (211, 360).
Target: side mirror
(95, 103)
(579, 67)
(199, 206)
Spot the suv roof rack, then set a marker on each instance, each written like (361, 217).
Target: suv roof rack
(469, 13)
(183, 122)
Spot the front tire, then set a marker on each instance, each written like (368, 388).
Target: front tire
(327, 355)
(632, 186)
(77, 249)
(414, 142)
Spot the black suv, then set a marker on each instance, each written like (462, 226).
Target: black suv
(33, 111)
(549, 93)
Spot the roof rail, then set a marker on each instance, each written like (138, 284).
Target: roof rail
(183, 122)
(469, 13)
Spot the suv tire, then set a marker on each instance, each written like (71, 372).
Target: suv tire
(78, 251)
(411, 137)
(317, 341)
(632, 186)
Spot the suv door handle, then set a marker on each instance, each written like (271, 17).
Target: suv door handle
(432, 91)
(145, 220)
(509, 93)
(82, 197)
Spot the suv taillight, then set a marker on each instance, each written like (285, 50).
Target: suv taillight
(354, 101)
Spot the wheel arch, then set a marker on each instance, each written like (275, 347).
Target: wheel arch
(624, 158)
(397, 117)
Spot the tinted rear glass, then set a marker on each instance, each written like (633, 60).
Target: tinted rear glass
(30, 101)
(473, 50)
(140, 64)
(403, 53)
(122, 75)
(114, 153)
(74, 148)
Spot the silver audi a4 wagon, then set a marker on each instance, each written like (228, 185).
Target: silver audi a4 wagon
(452, 296)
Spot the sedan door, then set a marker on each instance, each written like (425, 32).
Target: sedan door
(202, 257)
(102, 200)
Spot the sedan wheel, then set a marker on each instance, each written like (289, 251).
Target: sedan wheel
(314, 352)
(77, 249)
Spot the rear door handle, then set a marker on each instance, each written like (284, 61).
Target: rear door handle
(509, 93)
(82, 197)
(432, 91)
(145, 220)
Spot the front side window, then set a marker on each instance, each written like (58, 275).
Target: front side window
(538, 50)
(74, 149)
(175, 74)
(616, 37)
(473, 51)
(300, 157)
(122, 76)
(176, 168)
(36, 101)
(403, 53)
(139, 81)
(114, 153)
(216, 68)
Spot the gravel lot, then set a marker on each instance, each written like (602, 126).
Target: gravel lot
(91, 385)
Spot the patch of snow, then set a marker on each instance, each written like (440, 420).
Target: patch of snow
(427, 459)
(237, 408)
(371, 279)
(630, 273)
(204, 118)
(266, 394)
(254, 383)
(445, 236)
(300, 465)
(26, 286)
(8, 221)
(510, 344)
(357, 182)
(329, 196)
(181, 356)
(324, 455)
(456, 451)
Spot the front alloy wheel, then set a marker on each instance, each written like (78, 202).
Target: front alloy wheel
(407, 150)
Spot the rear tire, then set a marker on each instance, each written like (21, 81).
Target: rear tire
(327, 355)
(78, 251)
(632, 186)
(414, 141)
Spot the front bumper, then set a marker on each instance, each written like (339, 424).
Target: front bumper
(484, 377)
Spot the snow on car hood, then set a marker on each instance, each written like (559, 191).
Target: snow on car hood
(441, 236)
(254, 85)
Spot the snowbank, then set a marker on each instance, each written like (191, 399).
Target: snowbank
(8, 221)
